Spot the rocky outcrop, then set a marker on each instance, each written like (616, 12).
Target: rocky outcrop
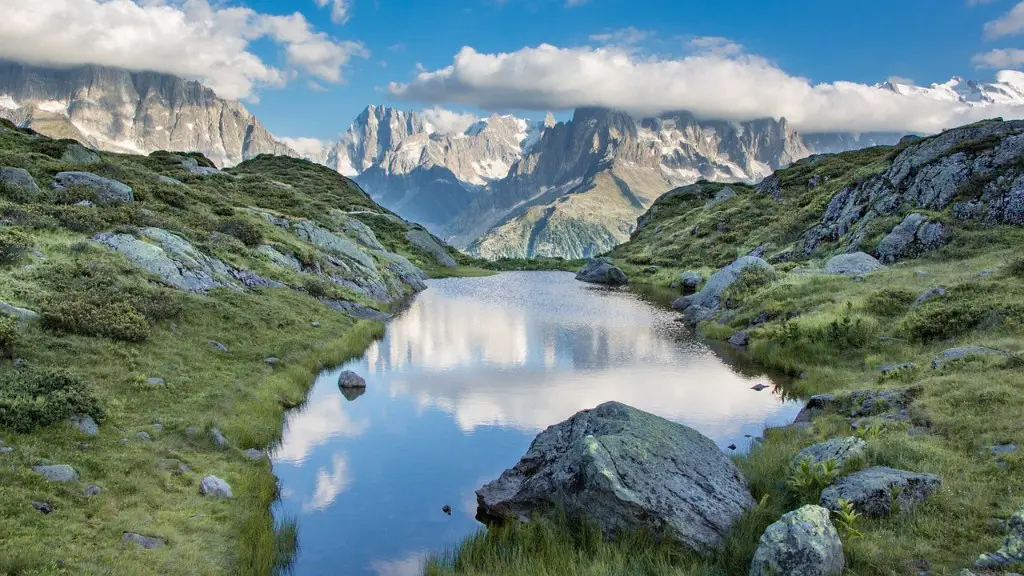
(602, 271)
(722, 196)
(425, 241)
(839, 450)
(172, 258)
(624, 469)
(855, 264)
(801, 543)
(22, 314)
(689, 281)
(704, 304)
(19, 179)
(959, 353)
(911, 238)
(107, 191)
(1011, 551)
(880, 491)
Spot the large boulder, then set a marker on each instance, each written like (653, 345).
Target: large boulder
(22, 314)
(912, 237)
(18, 178)
(880, 491)
(720, 281)
(169, 256)
(78, 154)
(107, 191)
(623, 469)
(801, 543)
(602, 271)
(339, 246)
(854, 264)
(690, 281)
(423, 240)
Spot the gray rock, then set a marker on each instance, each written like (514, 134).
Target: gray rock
(158, 428)
(853, 264)
(424, 241)
(339, 246)
(801, 543)
(218, 438)
(912, 237)
(1002, 449)
(863, 403)
(218, 346)
(602, 271)
(253, 454)
(357, 230)
(690, 281)
(721, 280)
(815, 405)
(6, 449)
(214, 487)
(771, 186)
(143, 436)
(168, 180)
(57, 473)
(951, 354)
(92, 490)
(22, 314)
(193, 167)
(86, 425)
(314, 324)
(271, 361)
(1012, 549)
(172, 258)
(932, 294)
(19, 363)
(875, 491)
(253, 280)
(155, 381)
(107, 191)
(78, 154)
(43, 507)
(147, 542)
(893, 368)
(18, 178)
(625, 469)
(85, 204)
(683, 302)
(739, 339)
(723, 195)
(349, 379)
(840, 450)
(283, 260)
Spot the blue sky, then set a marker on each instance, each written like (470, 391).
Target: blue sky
(862, 41)
(308, 67)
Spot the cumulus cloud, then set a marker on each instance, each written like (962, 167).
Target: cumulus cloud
(709, 84)
(449, 121)
(623, 37)
(999, 58)
(900, 80)
(714, 45)
(1009, 24)
(188, 38)
(340, 9)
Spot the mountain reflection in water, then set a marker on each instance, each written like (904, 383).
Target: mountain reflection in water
(457, 389)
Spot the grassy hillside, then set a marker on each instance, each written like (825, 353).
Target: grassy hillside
(164, 371)
(835, 334)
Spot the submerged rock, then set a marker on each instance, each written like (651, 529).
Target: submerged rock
(801, 543)
(624, 468)
(880, 491)
(602, 271)
(349, 379)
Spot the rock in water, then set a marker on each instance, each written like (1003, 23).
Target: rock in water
(880, 491)
(801, 543)
(349, 379)
(602, 271)
(624, 468)
(107, 191)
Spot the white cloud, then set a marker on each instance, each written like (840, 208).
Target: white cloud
(188, 38)
(714, 45)
(329, 483)
(900, 80)
(622, 37)
(307, 147)
(341, 10)
(1009, 24)
(711, 85)
(449, 121)
(1000, 58)
(316, 86)
(410, 565)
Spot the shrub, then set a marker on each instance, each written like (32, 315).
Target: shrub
(941, 320)
(317, 287)
(249, 233)
(809, 478)
(14, 244)
(1016, 268)
(171, 195)
(8, 336)
(33, 398)
(890, 302)
(751, 280)
(223, 210)
(90, 317)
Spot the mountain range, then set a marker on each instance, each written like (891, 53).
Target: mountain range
(500, 186)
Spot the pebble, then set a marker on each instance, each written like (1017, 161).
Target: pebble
(314, 324)
(44, 507)
(92, 490)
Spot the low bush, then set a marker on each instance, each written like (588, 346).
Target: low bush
(889, 302)
(8, 336)
(317, 287)
(91, 317)
(1016, 268)
(14, 244)
(249, 233)
(33, 398)
(941, 320)
(750, 281)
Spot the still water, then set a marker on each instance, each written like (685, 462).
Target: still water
(460, 385)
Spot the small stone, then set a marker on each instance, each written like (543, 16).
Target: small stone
(85, 204)
(144, 436)
(839, 450)
(349, 379)
(891, 369)
(447, 509)
(253, 454)
(92, 490)
(57, 473)
(314, 324)
(985, 274)
(920, 273)
(951, 354)
(218, 439)
(214, 487)
(218, 346)
(731, 446)
(180, 469)
(44, 507)
(19, 363)
(1002, 449)
(271, 361)
(932, 294)
(155, 381)
(759, 387)
(740, 339)
(158, 428)
(147, 542)
(6, 449)
(86, 425)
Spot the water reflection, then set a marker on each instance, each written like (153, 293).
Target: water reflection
(457, 389)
